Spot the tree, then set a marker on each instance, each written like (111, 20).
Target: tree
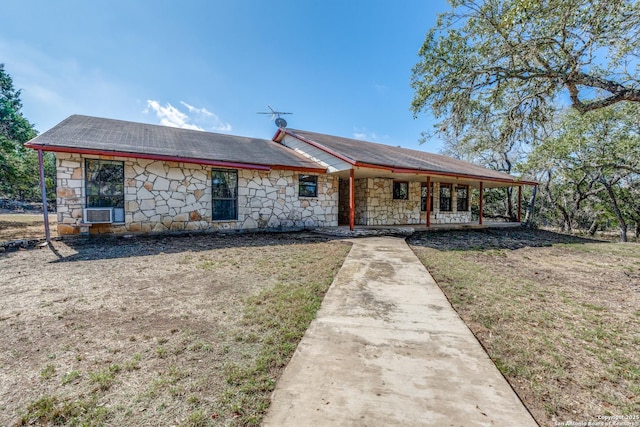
(527, 53)
(593, 157)
(18, 166)
(496, 141)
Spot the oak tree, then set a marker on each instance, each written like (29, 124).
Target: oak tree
(536, 53)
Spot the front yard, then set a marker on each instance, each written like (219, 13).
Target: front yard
(560, 316)
(189, 331)
(195, 330)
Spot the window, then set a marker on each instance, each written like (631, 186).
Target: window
(224, 194)
(423, 197)
(104, 183)
(307, 186)
(445, 197)
(462, 192)
(401, 190)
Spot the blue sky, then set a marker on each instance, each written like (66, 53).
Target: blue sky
(341, 67)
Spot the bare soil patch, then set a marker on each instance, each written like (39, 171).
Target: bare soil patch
(153, 330)
(559, 315)
(15, 226)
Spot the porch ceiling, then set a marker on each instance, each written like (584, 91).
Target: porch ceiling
(362, 172)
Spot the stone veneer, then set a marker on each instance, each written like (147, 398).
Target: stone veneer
(374, 205)
(170, 196)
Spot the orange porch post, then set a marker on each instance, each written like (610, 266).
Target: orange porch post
(481, 203)
(428, 201)
(352, 200)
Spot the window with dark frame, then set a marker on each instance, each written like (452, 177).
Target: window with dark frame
(104, 183)
(423, 197)
(445, 197)
(224, 194)
(307, 186)
(462, 193)
(400, 190)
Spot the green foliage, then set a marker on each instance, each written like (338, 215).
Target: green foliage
(19, 169)
(519, 55)
(495, 71)
(590, 167)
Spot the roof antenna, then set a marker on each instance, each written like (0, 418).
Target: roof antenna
(280, 122)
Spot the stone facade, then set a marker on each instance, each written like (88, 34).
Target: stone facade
(375, 205)
(447, 217)
(165, 196)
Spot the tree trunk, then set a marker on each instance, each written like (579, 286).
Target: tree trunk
(531, 209)
(594, 227)
(637, 229)
(614, 204)
(510, 214)
(567, 225)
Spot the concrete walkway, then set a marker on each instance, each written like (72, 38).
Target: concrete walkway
(387, 349)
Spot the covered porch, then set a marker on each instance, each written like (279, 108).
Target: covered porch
(374, 196)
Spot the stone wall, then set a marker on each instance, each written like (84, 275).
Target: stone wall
(447, 217)
(170, 196)
(375, 205)
(270, 200)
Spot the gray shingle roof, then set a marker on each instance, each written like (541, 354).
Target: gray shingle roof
(370, 153)
(108, 135)
(105, 136)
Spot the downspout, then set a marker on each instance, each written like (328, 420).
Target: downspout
(43, 190)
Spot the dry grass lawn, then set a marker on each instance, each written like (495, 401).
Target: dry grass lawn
(560, 316)
(24, 226)
(189, 331)
(194, 331)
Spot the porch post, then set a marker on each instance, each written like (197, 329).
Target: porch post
(352, 200)
(519, 203)
(481, 203)
(428, 201)
(43, 190)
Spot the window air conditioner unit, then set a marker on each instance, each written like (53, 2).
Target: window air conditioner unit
(98, 215)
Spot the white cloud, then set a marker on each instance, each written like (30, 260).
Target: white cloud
(197, 119)
(171, 116)
(363, 134)
(193, 109)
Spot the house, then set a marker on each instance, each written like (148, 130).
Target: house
(115, 176)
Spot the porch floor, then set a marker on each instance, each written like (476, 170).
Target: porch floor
(408, 229)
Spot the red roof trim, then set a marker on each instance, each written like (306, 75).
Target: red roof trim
(219, 163)
(282, 132)
(459, 175)
(148, 157)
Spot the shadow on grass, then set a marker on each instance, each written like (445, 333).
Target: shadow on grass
(495, 238)
(110, 247)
